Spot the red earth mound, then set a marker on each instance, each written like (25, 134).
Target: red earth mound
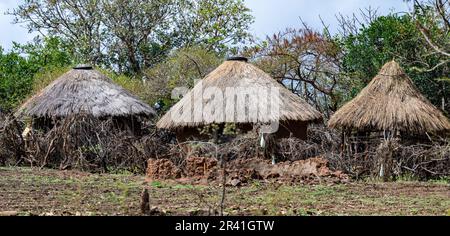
(242, 171)
(200, 166)
(162, 169)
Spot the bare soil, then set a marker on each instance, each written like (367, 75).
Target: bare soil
(26, 191)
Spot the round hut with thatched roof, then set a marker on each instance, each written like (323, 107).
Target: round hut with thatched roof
(84, 91)
(239, 93)
(390, 102)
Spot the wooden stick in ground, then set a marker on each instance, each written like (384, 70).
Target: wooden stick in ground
(222, 201)
(145, 202)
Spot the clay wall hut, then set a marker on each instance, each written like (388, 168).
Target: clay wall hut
(390, 103)
(84, 90)
(242, 79)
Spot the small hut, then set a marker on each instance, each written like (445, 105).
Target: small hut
(390, 102)
(245, 96)
(84, 90)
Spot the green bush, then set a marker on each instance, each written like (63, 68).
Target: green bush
(24, 63)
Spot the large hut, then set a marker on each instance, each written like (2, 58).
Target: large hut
(390, 103)
(84, 90)
(245, 96)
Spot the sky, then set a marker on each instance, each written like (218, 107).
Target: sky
(271, 16)
(10, 32)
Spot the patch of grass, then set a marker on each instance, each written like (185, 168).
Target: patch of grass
(308, 202)
(24, 214)
(157, 184)
(443, 180)
(414, 211)
(256, 183)
(35, 192)
(47, 180)
(181, 186)
(112, 197)
(301, 212)
(323, 191)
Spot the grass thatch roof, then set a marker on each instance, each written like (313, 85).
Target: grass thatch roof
(237, 73)
(390, 102)
(84, 90)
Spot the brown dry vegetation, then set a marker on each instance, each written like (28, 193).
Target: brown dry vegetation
(238, 75)
(50, 192)
(390, 101)
(89, 144)
(84, 91)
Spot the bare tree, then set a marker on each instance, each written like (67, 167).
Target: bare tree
(305, 61)
(77, 21)
(350, 25)
(432, 18)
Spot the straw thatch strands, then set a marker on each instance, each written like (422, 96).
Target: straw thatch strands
(237, 75)
(390, 102)
(84, 90)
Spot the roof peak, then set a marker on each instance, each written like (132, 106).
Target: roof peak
(243, 59)
(391, 68)
(390, 102)
(393, 61)
(83, 67)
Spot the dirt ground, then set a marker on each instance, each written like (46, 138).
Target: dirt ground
(26, 191)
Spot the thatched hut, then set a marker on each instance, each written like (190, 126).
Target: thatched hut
(84, 90)
(390, 102)
(243, 95)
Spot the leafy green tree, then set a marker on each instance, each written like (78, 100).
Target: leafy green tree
(432, 18)
(15, 79)
(45, 53)
(131, 35)
(138, 31)
(395, 37)
(215, 25)
(182, 68)
(19, 67)
(76, 21)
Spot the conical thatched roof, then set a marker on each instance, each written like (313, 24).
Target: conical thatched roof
(84, 90)
(390, 102)
(237, 73)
